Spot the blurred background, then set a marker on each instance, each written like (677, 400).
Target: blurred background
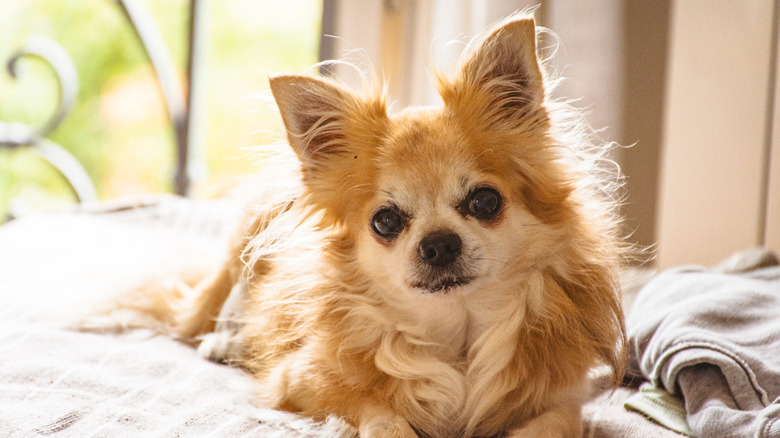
(688, 87)
(118, 127)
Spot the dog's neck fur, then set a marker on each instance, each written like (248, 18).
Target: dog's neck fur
(444, 351)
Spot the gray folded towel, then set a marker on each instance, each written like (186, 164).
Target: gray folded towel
(711, 338)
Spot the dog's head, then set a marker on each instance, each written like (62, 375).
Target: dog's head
(471, 197)
(438, 200)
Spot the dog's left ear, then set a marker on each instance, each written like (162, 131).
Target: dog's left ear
(501, 76)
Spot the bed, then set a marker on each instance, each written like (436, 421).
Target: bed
(57, 381)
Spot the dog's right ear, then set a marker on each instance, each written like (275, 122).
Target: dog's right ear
(333, 132)
(324, 120)
(313, 115)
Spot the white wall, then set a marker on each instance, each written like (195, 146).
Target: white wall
(716, 124)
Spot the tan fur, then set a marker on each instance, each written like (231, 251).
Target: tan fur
(331, 319)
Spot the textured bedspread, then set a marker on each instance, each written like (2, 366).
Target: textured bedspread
(65, 383)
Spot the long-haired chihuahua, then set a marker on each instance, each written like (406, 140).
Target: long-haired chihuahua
(444, 272)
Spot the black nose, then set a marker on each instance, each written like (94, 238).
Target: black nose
(439, 248)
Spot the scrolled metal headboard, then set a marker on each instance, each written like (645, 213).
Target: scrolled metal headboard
(182, 106)
(17, 135)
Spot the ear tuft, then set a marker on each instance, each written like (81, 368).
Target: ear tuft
(335, 134)
(312, 110)
(504, 67)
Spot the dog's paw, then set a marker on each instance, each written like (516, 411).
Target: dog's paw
(395, 427)
(222, 346)
(550, 425)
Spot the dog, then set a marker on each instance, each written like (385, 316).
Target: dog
(444, 272)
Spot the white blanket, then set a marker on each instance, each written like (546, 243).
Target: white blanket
(66, 383)
(70, 384)
(55, 381)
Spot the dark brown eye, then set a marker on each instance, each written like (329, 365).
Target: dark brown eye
(388, 222)
(484, 203)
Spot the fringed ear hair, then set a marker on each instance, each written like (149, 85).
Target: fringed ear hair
(313, 114)
(334, 133)
(501, 74)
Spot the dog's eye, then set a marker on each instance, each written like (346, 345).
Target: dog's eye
(483, 203)
(388, 222)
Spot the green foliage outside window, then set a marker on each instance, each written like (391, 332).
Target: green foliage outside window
(118, 128)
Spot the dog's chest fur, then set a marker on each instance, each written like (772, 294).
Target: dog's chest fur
(436, 356)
